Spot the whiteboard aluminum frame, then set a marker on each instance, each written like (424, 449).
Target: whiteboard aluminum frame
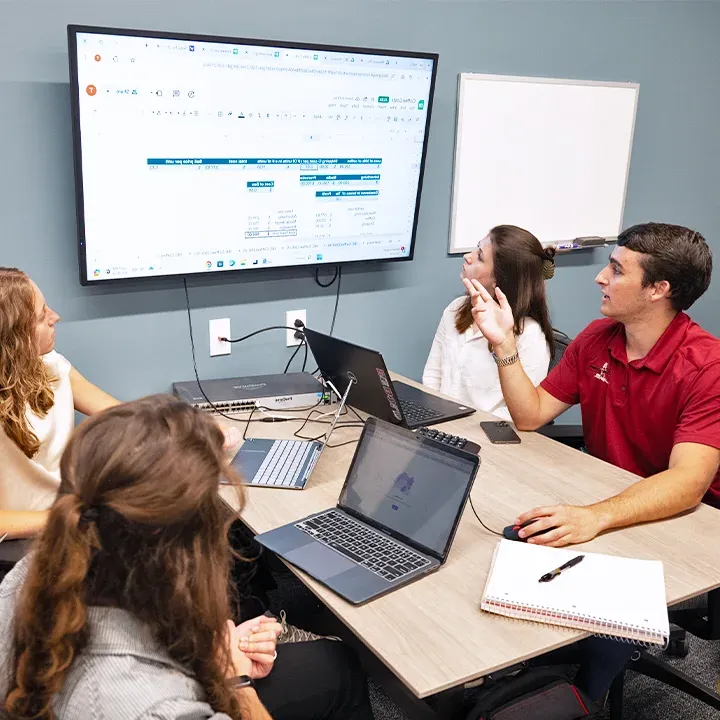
(452, 249)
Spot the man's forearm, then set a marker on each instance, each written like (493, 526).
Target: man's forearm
(654, 498)
(521, 396)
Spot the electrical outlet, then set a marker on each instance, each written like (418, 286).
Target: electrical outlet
(290, 317)
(220, 328)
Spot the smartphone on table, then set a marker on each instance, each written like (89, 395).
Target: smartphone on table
(500, 432)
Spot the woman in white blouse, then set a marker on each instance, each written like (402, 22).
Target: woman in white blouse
(461, 363)
(39, 392)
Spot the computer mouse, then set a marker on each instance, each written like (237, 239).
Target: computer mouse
(511, 531)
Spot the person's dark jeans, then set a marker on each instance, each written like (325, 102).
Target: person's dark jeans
(309, 680)
(314, 681)
(601, 661)
(251, 575)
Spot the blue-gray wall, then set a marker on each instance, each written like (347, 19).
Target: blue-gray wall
(133, 340)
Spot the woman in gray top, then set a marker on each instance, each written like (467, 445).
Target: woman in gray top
(121, 612)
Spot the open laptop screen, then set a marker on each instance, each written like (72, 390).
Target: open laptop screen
(413, 487)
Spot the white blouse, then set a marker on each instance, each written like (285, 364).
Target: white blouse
(463, 367)
(33, 484)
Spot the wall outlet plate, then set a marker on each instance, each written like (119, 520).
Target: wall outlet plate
(290, 317)
(220, 328)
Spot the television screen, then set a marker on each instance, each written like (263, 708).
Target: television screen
(197, 154)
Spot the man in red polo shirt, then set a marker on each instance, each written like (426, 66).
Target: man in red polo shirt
(648, 382)
(647, 379)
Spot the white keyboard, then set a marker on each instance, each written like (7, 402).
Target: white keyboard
(285, 460)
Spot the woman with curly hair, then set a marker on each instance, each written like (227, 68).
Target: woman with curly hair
(39, 390)
(121, 610)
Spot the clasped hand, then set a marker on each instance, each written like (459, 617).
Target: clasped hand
(252, 646)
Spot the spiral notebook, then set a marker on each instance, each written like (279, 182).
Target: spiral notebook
(606, 595)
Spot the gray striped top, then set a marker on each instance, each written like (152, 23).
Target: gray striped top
(123, 674)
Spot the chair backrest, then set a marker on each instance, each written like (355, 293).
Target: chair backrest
(561, 341)
(11, 552)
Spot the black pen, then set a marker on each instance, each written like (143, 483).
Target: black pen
(547, 577)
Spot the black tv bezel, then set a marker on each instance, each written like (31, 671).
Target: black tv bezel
(74, 30)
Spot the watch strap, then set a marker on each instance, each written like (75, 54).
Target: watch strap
(509, 360)
(241, 681)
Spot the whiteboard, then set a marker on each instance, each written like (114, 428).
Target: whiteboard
(551, 156)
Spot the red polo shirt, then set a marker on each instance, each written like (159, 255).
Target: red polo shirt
(634, 412)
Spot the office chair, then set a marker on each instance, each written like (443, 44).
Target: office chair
(571, 435)
(703, 622)
(561, 341)
(11, 552)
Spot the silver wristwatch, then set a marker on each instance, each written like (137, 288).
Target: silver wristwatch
(509, 360)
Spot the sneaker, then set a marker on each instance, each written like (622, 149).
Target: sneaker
(292, 634)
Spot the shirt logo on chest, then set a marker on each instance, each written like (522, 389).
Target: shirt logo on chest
(601, 373)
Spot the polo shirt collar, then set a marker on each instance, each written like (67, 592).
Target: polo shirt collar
(660, 353)
(667, 345)
(617, 346)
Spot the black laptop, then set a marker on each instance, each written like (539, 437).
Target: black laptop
(395, 519)
(341, 362)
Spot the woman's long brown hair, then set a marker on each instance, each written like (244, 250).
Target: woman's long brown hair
(521, 266)
(139, 525)
(24, 379)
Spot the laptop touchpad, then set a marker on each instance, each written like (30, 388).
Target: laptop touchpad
(320, 561)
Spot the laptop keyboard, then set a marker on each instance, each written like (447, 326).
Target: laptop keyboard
(416, 414)
(284, 461)
(360, 543)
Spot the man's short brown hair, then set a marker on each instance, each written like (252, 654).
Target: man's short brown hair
(673, 253)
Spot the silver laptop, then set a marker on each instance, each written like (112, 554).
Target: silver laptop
(394, 522)
(284, 464)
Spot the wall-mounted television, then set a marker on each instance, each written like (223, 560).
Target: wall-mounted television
(199, 154)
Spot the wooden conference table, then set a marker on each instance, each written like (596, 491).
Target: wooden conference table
(432, 634)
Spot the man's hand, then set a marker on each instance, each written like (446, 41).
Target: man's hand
(493, 318)
(571, 524)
